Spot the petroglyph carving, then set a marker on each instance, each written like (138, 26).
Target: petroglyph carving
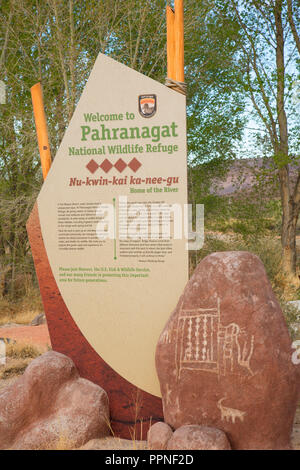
(228, 414)
(245, 357)
(166, 337)
(203, 343)
(168, 394)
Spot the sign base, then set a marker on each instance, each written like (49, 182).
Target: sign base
(132, 410)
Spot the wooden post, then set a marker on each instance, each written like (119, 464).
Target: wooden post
(179, 41)
(41, 128)
(171, 42)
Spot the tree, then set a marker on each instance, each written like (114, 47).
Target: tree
(269, 42)
(56, 42)
(215, 97)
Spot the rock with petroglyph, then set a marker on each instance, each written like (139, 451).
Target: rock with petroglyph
(224, 359)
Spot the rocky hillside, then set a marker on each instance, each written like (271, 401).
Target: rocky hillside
(244, 173)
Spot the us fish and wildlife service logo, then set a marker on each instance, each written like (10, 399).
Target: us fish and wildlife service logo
(147, 105)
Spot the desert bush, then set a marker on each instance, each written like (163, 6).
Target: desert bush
(13, 370)
(22, 351)
(22, 310)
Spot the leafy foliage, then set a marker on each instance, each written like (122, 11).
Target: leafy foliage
(56, 42)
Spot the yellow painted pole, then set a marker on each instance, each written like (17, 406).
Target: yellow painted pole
(41, 128)
(171, 42)
(179, 41)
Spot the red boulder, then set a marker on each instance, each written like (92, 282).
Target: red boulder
(50, 406)
(224, 359)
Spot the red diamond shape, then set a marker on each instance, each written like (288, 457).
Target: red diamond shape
(106, 165)
(120, 165)
(92, 166)
(134, 165)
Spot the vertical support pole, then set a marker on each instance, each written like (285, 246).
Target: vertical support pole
(41, 127)
(171, 42)
(179, 41)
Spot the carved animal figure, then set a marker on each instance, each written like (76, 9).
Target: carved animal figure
(228, 414)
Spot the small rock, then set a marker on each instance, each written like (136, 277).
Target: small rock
(158, 436)
(193, 437)
(39, 320)
(50, 406)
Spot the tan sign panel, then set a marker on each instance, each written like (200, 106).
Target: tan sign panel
(121, 162)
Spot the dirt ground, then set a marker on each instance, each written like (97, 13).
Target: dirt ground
(35, 335)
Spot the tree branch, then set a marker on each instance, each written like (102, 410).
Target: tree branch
(292, 24)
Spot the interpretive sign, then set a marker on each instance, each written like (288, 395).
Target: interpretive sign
(111, 215)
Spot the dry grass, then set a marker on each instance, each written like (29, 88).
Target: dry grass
(286, 286)
(22, 311)
(18, 356)
(13, 368)
(136, 441)
(63, 442)
(22, 351)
